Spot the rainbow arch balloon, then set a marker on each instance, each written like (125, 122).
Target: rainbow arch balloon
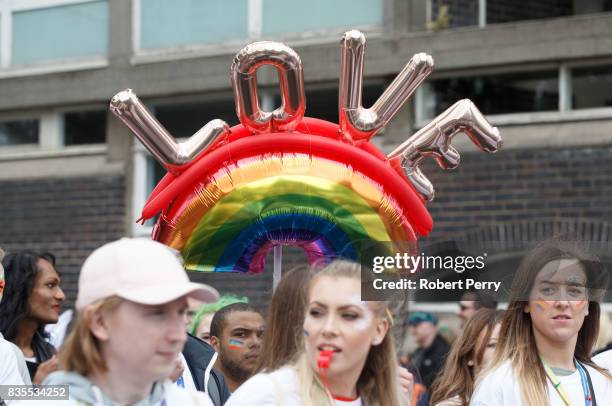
(279, 178)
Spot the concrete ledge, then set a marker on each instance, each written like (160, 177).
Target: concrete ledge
(496, 46)
(58, 164)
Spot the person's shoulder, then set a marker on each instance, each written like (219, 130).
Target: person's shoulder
(502, 371)
(263, 388)
(9, 369)
(177, 396)
(45, 402)
(283, 374)
(601, 382)
(604, 360)
(497, 386)
(195, 346)
(454, 401)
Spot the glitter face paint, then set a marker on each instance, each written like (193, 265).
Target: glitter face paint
(366, 320)
(335, 317)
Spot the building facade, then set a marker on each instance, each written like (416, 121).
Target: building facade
(72, 177)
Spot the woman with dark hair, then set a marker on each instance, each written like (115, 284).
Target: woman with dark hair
(32, 299)
(543, 356)
(470, 353)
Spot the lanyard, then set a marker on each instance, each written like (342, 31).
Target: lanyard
(588, 400)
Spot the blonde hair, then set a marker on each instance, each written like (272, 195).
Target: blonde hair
(81, 351)
(378, 384)
(516, 339)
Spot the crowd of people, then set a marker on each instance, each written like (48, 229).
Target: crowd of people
(142, 334)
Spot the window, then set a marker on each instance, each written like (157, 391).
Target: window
(453, 13)
(559, 94)
(281, 16)
(87, 127)
(501, 11)
(176, 23)
(147, 173)
(323, 103)
(495, 94)
(182, 120)
(155, 172)
(162, 24)
(462, 13)
(39, 31)
(53, 130)
(592, 87)
(19, 132)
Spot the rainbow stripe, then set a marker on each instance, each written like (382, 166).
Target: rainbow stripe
(235, 344)
(231, 221)
(309, 188)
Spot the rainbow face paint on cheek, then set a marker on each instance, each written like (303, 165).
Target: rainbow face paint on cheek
(579, 305)
(542, 305)
(235, 344)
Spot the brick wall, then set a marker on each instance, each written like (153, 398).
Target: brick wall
(522, 185)
(514, 189)
(68, 217)
(524, 194)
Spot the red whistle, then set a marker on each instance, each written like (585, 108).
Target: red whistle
(324, 360)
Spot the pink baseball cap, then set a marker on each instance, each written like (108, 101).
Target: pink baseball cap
(138, 270)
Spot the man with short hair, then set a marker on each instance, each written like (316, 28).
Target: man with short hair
(235, 333)
(472, 301)
(432, 350)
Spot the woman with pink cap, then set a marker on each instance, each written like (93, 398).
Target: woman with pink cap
(130, 328)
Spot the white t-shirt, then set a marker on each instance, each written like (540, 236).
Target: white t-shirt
(604, 360)
(9, 364)
(501, 388)
(21, 364)
(276, 388)
(454, 401)
(174, 396)
(187, 378)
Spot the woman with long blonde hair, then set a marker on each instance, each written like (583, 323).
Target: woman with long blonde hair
(543, 356)
(347, 356)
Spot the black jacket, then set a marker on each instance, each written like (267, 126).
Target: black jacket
(429, 361)
(43, 351)
(200, 359)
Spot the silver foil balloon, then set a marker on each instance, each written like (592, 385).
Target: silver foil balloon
(434, 140)
(156, 139)
(244, 81)
(360, 123)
